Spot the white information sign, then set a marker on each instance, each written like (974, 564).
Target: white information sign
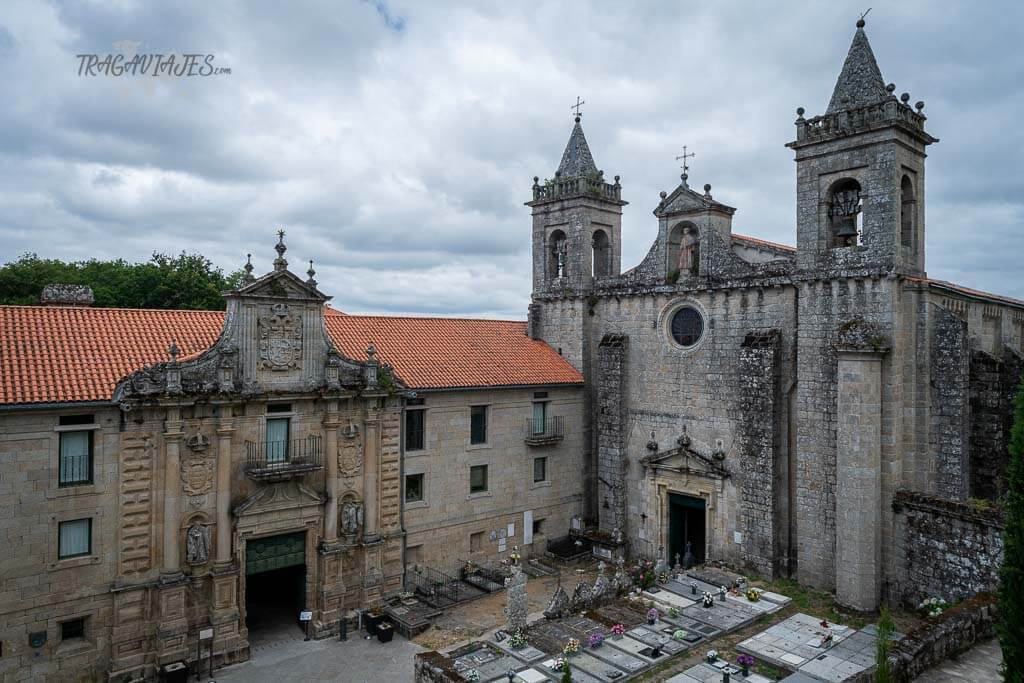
(305, 616)
(206, 634)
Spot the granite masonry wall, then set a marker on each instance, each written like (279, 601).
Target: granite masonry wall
(757, 445)
(993, 383)
(950, 409)
(612, 357)
(950, 549)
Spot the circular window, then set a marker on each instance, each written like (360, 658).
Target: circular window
(687, 326)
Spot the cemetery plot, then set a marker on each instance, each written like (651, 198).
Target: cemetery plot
(724, 616)
(596, 667)
(619, 658)
(578, 674)
(488, 663)
(793, 642)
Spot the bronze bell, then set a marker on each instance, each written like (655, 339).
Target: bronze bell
(847, 227)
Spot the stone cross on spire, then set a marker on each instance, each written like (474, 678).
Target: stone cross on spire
(684, 156)
(576, 108)
(279, 262)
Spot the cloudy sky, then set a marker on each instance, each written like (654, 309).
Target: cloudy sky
(395, 142)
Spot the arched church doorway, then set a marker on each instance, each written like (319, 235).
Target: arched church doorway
(687, 521)
(275, 586)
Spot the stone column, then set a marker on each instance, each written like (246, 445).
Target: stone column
(371, 460)
(171, 637)
(172, 491)
(331, 424)
(858, 479)
(225, 429)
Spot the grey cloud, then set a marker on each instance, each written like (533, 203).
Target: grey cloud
(397, 142)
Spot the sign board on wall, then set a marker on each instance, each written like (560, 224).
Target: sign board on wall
(528, 527)
(305, 616)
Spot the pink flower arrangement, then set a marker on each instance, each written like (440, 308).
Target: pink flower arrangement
(618, 629)
(652, 615)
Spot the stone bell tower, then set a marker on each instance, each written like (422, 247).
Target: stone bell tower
(577, 239)
(860, 174)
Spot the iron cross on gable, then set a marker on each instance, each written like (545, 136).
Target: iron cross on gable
(684, 156)
(576, 107)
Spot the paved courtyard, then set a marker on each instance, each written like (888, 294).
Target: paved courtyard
(353, 661)
(980, 664)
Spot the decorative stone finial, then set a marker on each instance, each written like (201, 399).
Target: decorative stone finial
(905, 97)
(616, 180)
(860, 23)
(279, 262)
(707, 190)
(248, 277)
(173, 351)
(371, 353)
(311, 282)
(800, 112)
(663, 194)
(652, 445)
(919, 106)
(891, 88)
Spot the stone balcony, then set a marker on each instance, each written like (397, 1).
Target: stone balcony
(544, 433)
(565, 188)
(269, 461)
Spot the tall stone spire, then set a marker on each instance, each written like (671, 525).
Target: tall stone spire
(576, 159)
(860, 82)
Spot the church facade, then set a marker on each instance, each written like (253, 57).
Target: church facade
(761, 404)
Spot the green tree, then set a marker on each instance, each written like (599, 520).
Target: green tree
(883, 646)
(1011, 576)
(187, 281)
(566, 671)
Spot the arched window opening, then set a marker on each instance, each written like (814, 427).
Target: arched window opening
(602, 254)
(557, 255)
(683, 251)
(844, 213)
(908, 213)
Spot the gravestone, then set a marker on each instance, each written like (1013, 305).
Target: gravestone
(558, 605)
(516, 600)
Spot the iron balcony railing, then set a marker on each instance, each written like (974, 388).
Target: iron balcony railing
(269, 459)
(538, 432)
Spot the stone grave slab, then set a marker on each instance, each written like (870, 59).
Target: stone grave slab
(827, 668)
(776, 598)
(488, 663)
(793, 642)
(762, 606)
(581, 628)
(578, 674)
(527, 653)
(620, 659)
(692, 626)
(637, 648)
(707, 673)
(683, 678)
(549, 636)
(645, 634)
(718, 577)
(668, 598)
(531, 676)
(723, 616)
(622, 612)
(595, 667)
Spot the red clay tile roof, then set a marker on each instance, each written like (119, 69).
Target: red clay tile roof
(67, 354)
(967, 291)
(756, 241)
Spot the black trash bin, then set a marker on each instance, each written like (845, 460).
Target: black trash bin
(175, 672)
(371, 621)
(385, 631)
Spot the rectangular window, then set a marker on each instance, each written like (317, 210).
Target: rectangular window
(477, 424)
(540, 414)
(75, 458)
(70, 630)
(415, 426)
(279, 407)
(538, 526)
(277, 440)
(413, 488)
(540, 469)
(75, 538)
(84, 419)
(478, 478)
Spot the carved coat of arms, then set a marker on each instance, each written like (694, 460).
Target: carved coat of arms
(280, 339)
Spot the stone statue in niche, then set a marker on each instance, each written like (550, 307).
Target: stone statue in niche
(689, 252)
(351, 518)
(197, 544)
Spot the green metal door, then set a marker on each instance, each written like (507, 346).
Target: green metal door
(275, 552)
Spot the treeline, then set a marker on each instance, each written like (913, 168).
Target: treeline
(188, 281)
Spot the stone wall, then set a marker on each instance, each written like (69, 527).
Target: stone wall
(950, 549)
(611, 432)
(440, 526)
(757, 444)
(993, 384)
(950, 410)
